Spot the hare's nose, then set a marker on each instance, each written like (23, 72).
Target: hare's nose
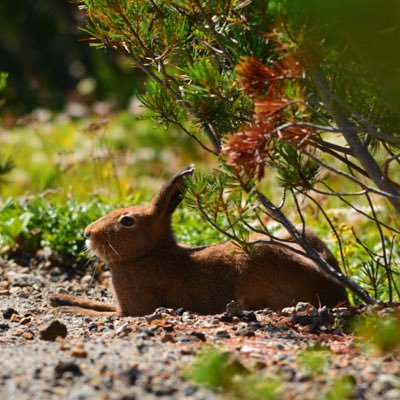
(87, 233)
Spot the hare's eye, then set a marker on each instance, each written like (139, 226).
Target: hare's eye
(126, 220)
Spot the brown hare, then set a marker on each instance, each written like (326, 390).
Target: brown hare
(149, 269)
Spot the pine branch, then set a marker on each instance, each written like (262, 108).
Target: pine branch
(216, 35)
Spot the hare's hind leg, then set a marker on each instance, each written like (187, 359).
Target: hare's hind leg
(86, 311)
(61, 300)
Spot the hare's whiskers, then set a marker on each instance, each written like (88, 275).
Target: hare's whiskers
(96, 261)
(115, 251)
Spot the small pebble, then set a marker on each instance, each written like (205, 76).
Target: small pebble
(25, 321)
(186, 350)
(223, 335)
(167, 338)
(4, 284)
(225, 317)
(199, 335)
(64, 367)
(4, 327)
(131, 375)
(245, 332)
(304, 307)
(87, 279)
(248, 316)
(93, 327)
(28, 335)
(51, 330)
(15, 318)
(233, 309)
(79, 352)
(123, 329)
(9, 312)
(288, 311)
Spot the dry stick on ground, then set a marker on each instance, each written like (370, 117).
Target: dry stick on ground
(312, 253)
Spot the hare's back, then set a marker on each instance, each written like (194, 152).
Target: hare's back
(277, 276)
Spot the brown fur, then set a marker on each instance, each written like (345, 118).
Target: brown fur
(150, 270)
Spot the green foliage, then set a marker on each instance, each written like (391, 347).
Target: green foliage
(379, 333)
(256, 387)
(216, 96)
(39, 223)
(192, 79)
(115, 157)
(221, 372)
(222, 203)
(6, 164)
(224, 374)
(49, 222)
(314, 359)
(341, 388)
(215, 369)
(191, 229)
(3, 84)
(165, 110)
(357, 43)
(47, 58)
(294, 169)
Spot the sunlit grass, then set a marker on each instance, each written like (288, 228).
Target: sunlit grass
(78, 159)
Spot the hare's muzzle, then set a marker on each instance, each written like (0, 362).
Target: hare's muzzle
(87, 234)
(89, 241)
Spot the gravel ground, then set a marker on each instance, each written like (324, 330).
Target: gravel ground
(144, 358)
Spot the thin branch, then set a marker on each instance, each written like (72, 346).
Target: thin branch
(323, 128)
(337, 194)
(333, 229)
(369, 128)
(133, 31)
(214, 225)
(211, 26)
(394, 157)
(299, 212)
(358, 210)
(215, 142)
(341, 158)
(385, 261)
(331, 146)
(313, 254)
(390, 262)
(181, 126)
(352, 178)
(364, 157)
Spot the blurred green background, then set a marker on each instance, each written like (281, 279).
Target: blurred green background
(50, 63)
(70, 120)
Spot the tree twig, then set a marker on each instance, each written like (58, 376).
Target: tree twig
(364, 157)
(313, 254)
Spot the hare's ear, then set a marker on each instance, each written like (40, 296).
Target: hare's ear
(171, 193)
